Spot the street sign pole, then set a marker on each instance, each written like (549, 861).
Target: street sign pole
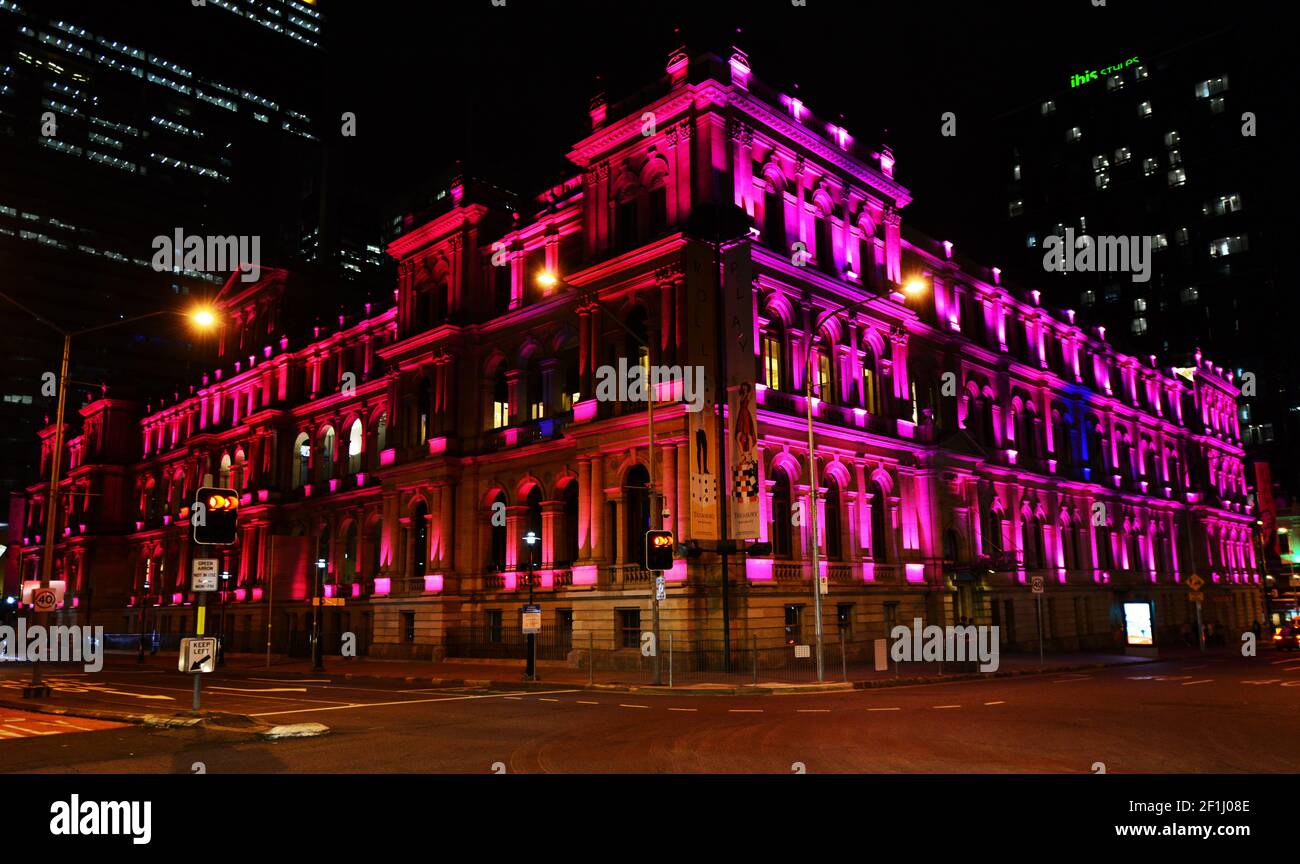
(198, 676)
(1200, 633)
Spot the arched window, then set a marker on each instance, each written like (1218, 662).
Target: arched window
(1061, 439)
(356, 436)
(636, 500)
(327, 453)
(500, 399)
(774, 217)
(239, 470)
(825, 245)
(1034, 557)
(534, 398)
(834, 542)
(223, 475)
(871, 381)
(301, 461)
(823, 375)
(657, 184)
(635, 343)
(497, 553)
(322, 551)
(879, 523)
(1105, 555)
(380, 441)
(782, 541)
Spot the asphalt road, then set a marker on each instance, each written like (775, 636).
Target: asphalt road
(1210, 715)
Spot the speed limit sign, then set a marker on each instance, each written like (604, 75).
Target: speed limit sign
(44, 599)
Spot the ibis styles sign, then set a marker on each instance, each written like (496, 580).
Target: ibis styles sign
(1093, 74)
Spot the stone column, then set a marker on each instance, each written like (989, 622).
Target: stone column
(597, 523)
(584, 508)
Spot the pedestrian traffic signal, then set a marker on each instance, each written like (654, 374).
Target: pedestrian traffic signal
(213, 515)
(659, 550)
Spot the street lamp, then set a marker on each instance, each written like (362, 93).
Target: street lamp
(546, 280)
(530, 673)
(316, 664)
(203, 317)
(913, 287)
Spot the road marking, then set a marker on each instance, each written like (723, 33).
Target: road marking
(586, 702)
(621, 705)
(683, 709)
(1286, 660)
(549, 700)
(744, 710)
(813, 710)
(294, 680)
(259, 689)
(1202, 681)
(1071, 680)
(1198, 666)
(884, 709)
(514, 698)
(945, 706)
(391, 704)
(999, 702)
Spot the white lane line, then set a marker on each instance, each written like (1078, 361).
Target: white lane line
(549, 700)
(945, 706)
(812, 710)
(622, 705)
(390, 704)
(586, 702)
(293, 680)
(514, 698)
(744, 710)
(259, 689)
(999, 702)
(1287, 660)
(884, 709)
(683, 709)
(1202, 681)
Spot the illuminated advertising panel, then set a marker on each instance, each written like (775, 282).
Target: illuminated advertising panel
(1137, 624)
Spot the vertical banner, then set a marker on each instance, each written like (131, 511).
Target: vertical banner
(702, 428)
(742, 399)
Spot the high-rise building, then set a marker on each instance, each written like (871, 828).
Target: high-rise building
(1164, 143)
(116, 131)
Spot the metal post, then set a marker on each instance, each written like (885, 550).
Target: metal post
(200, 600)
(813, 496)
(670, 658)
(316, 664)
(591, 657)
(270, 605)
(144, 605)
(844, 660)
(530, 673)
(35, 689)
(754, 647)
(1039, 598)
(720, 399)
(221, 626)
(1200, 630)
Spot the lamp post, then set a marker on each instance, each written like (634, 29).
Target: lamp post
(547, 280)
(530, 672)
(316, 664)
(144, 606)
(204, 318)
(914, 286)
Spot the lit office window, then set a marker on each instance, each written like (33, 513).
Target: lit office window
(1144, 109)
(1074, 134)
(1177, 177)
(1122, 155)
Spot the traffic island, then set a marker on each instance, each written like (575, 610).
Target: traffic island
(209, 721)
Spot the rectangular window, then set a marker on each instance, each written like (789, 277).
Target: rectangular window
(1149, 167)
(1177, 177)
(1144, 109)
(493, 628)
(500, 415)
(772, 360)
(629, 628)
(1015, 208)
(1228, 246)
(1074, 134)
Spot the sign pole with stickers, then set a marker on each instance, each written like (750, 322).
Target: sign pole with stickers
(1037, 588)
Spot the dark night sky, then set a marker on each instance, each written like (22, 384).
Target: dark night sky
(506, 89)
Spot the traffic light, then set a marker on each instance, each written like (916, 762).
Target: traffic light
(659, 550)
(213, 515)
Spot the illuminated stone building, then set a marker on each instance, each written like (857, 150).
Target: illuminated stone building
(968, 439)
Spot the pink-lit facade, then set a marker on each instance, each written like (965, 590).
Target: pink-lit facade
(967, 438)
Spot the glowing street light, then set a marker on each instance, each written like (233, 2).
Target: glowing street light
(203, 317)
(915, 286)
(35, 689)
(547, 280)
